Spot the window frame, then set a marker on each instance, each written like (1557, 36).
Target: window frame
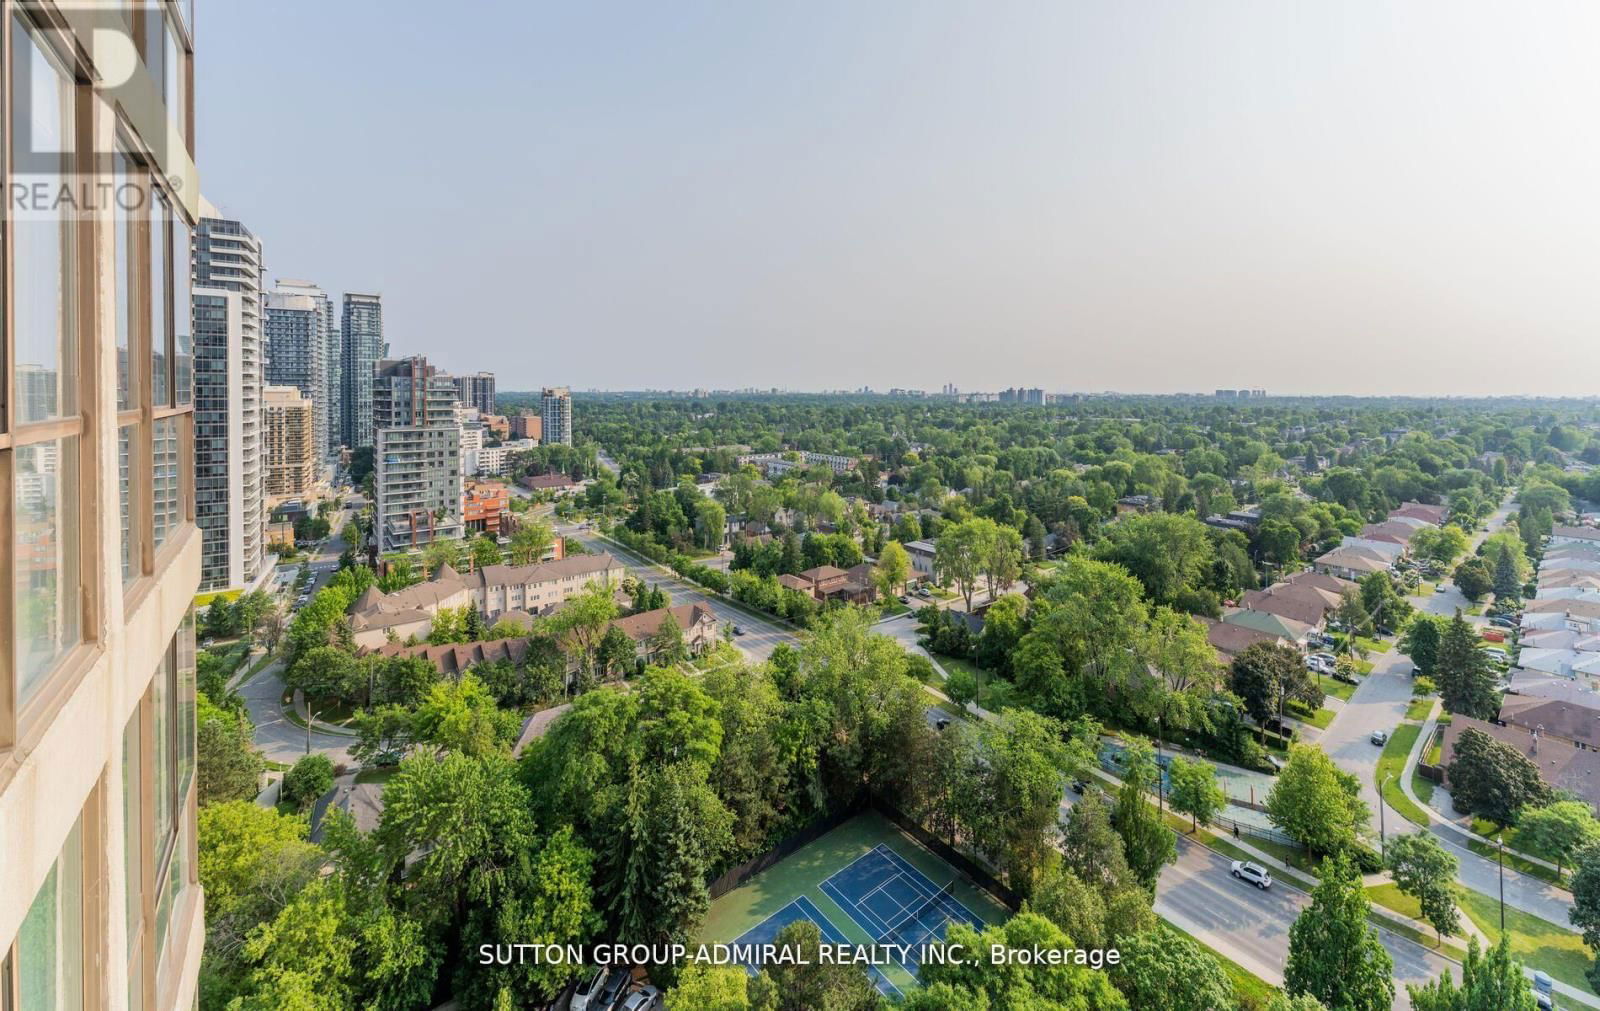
(19, 717)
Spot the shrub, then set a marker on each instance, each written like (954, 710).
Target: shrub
(311, 777)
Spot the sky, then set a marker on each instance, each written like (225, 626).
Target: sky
(1306, 197)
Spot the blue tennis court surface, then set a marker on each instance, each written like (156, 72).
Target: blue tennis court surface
(802, 908)
(895, 903)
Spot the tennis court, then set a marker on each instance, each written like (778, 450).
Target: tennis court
(859, 883)
(802, 908)
(897, 904)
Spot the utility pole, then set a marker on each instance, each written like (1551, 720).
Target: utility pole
(1502, 855)
(1383, 841)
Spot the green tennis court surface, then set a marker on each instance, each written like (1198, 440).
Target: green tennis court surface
(866, 882)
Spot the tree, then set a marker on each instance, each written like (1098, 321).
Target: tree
(303, 957)
(962, 687)
(666, 644)
(1179, 673)
(1558, 831)
(1088, 621)
(1466, 682)
(1378, 595)
(1195, 791)
(1474, 579)
(252, 861)
(1146, 841)
(1163, 969)
(485, 551)
(445, 551)
(1316, 803)
(1264, 675)
(1167, 552)
(530, 540)
(1279, 541)
(1004, 624)
(228, 765)
(1585, 912)
(1025, 761)
(1423, 870)
(1333, 954)
(310, 778)
(1420, 641)
(710, 988)
(582, 622)
(1507, 582)
(461, 716)
(1001, 555)
(974, 983)
(892, 570)
(1352, 613)
(383, 733)
(959, 556)
(1492, 982)
(810, 981)
(1493, 780)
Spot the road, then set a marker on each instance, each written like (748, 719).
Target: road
(278, 738)
(1198, 894)
(760, 636)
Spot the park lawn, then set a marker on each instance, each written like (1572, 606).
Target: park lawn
(380, 775)
(994, 692)
(1249, 990)
(1390, 765)
(1391, 897)
(1539, 944)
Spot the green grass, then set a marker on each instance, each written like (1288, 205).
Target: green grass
(1419, 708)
(1424, 589)
(1537, 943)
(1249, 990)
(1391, 897)
(1422, 787)
(1390, 764)
(1319, 719)
(1338, 689)
(201, 600)
(376, 775)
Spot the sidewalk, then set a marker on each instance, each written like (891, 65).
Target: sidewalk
(1441, 825)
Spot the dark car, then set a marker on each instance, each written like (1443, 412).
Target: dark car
(737, 630)
(1078, 786)
(611, 993)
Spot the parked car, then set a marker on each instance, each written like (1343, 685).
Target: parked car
(610, 994)
(1349, 679)
(586, 996)
(646, 998)
(904, 599)
(1502, 622)
(1252, 873)
(923, 591)
(738, 630)
(1325, 657)
(1380, 737)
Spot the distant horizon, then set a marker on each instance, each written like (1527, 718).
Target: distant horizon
(691, 392)
(1317, 197)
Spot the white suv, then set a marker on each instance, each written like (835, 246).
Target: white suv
(1253, 873)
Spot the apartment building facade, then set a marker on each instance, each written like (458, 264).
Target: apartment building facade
(476, 390)
(297, 322)
(228, 276)
(100, 905)
(555, 416)
(361, 331)
(417, 454)
(288, 445)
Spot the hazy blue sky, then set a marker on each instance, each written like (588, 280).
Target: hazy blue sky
(1304, 196)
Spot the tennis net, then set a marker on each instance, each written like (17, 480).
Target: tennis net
(914, 918)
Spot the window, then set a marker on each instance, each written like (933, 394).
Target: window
(46, 558)
(49, 958)
(42, 466)
(182, 314)
(160, 292)
(44, 121)
(131, 562)
(165, 480)
(126, 200)
(158, 757)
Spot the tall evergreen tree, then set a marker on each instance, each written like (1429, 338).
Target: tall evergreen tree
(1333, 954)
(1506, 583)
(1466, 682)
